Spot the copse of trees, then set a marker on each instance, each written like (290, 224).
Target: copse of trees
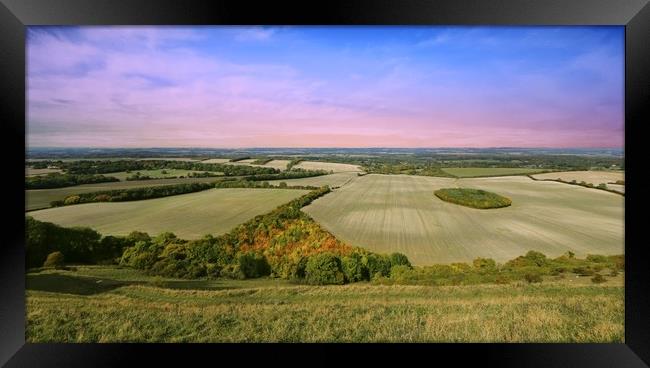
(293, 163)
(475, 198)
(79, 245)
(240, 158)
(289, 174)
(243, 183)
(262, 161)
(58, 180)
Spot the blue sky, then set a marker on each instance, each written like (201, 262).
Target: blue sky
(325, 86)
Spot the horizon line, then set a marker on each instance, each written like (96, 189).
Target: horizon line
(323, 147)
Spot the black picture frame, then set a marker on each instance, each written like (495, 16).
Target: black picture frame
(15, 15)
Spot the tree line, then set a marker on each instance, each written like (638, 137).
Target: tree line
(58, 180)
(136, 194)
(107, 166)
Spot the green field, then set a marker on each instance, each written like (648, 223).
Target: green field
(189, 216)
(41, 198)
(122, 175)
(105, 304)
(399, 213)
(472, 172)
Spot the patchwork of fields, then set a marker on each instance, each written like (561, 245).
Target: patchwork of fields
(471, 172)
(388, 213)
(276, 164)
(190, 216)
(41, 198)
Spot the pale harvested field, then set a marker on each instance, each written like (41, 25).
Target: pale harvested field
(36, 172)
(316, 165)
(470, 172)
(41, 198)
(215, 161)
(277, 164)
(399, 213)
(616, 187)
(333, 180)
(593, 177)
(190, 216)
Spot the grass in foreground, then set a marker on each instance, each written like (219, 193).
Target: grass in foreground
(123, 305)
(475, 198)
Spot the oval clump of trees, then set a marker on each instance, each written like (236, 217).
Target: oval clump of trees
(475, 198)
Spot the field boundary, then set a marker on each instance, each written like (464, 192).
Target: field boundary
(578, 184)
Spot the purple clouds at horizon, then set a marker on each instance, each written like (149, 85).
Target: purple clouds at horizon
(325, 87)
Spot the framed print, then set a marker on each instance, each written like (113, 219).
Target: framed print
(454, 179)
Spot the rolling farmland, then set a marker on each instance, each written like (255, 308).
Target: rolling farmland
(327, 166)
(388, 213)
(471, 172)
(333, 180)
(591, 177)
(190, 216)
(41, 198)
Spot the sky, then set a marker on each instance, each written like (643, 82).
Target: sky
(360, 86)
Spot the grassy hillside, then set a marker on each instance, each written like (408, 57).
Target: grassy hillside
(399, 213)
(190, 216)
(107, 304)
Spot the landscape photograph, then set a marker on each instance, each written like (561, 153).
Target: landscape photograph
(335, 184)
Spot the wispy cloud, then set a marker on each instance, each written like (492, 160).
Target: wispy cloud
(255, 34)
(227, 86)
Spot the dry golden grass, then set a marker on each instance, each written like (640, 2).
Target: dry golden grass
(265, 311)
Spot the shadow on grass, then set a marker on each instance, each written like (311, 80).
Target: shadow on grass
(58, 283)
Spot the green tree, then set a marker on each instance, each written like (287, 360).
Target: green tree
(324, 268)
(399, 259)
(54, 259)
